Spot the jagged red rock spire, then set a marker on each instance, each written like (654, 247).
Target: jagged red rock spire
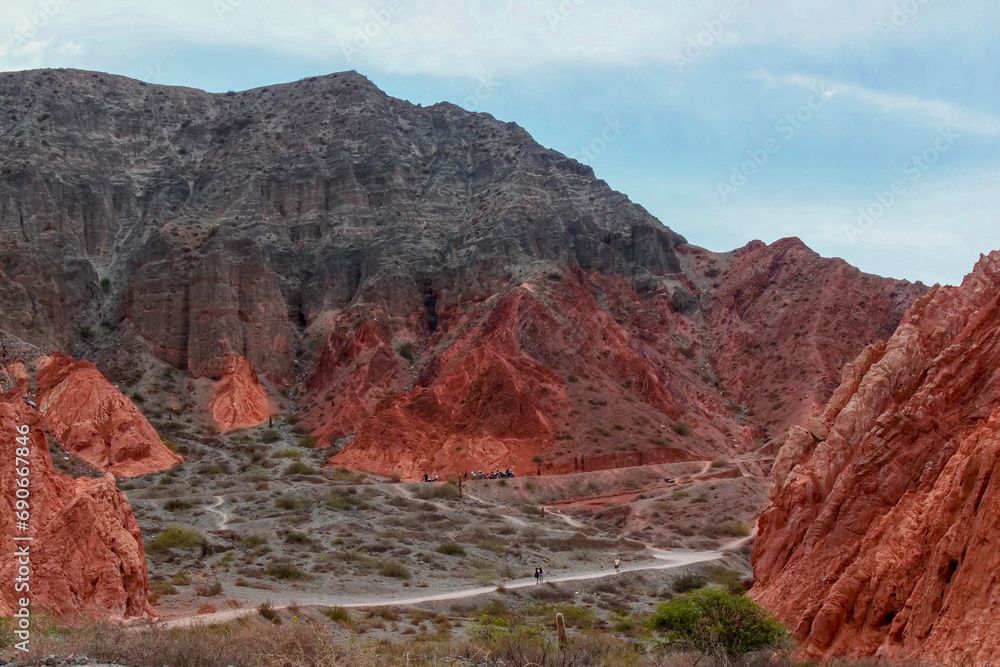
(87, 556)
(882, 531)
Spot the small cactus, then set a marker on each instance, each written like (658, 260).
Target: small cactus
(561, 631)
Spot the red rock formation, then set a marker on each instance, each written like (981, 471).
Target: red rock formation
(239, 400)
(880, 537)
(783, 321)
(539, 370)
(95, 421)
(87, 556)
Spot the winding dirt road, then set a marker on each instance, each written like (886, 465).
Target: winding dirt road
(662, 560)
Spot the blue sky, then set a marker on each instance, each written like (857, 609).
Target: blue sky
(868, 129)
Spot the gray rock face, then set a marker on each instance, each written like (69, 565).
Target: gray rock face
(227, 224)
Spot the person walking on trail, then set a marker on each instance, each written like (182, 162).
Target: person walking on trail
(538, 575)
(618, 565)
(541, 575)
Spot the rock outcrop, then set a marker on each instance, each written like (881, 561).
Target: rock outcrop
(880, 534)
(86, 558)
(239, 400)
(95, 421)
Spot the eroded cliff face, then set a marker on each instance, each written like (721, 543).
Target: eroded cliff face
(95, 421)
(87, 557)
(879, 538)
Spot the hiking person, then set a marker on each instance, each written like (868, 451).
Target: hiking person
(618, 565)
(538, 575)
(541, 575)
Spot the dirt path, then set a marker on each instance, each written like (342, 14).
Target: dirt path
(223, 517)
(662, 560)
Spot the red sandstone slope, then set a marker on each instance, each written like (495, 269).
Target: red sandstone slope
(882, 528)
(239, 400)
(87, 556)
(782, 322)
(95, 421)
(560, 367)
(491, 384)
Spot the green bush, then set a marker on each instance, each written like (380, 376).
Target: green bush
(436, 491)
(177, 505)
(681, 428)
(689, 581)
(269, 435)
(726, 529)
(287, 571)
(289, 502)
(266, 609)
(300, 468)
(714, 621)
(408, 351)
(451, 549)
(176, 537)
(337, 615)
(395, 569)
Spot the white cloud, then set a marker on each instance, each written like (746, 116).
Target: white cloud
(934, 113)
(468, 37)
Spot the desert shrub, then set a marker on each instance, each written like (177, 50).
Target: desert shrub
(337, 615)
(451, 549)
(181, 579)
(285, 571)
(299, 468)
(714, 621)
(689, 581)
(308, 441)
(723, 576)
(289, 502)
(432, 491)
(266, 609)
(269, 435)
(177, 505)
(346, 500)
(176, 537)
(208, 589)
(287, 454)
(395, 569)
(408, 351)
(162, 588)
(681, 428)
(726, 529)
(253, 541)
(573, 379)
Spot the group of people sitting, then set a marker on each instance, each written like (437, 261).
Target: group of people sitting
(497, 474)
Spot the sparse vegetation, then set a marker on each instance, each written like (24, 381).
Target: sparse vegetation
(451, 549)
(681, 428)
(714, 621)
(408, 351)
(176, 537)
